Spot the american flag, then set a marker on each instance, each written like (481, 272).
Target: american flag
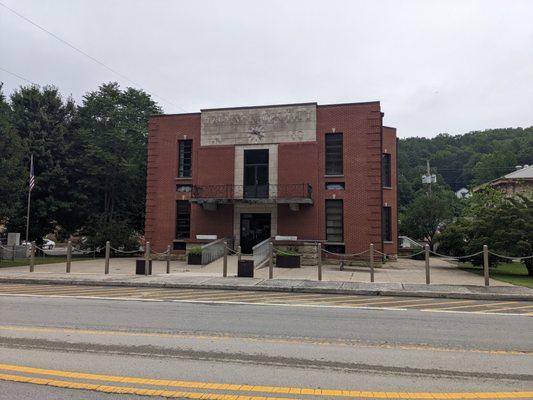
(32, 175)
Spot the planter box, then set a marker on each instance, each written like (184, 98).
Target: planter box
(139, 267)
(194, 259)
(288, 261)
(245, 269)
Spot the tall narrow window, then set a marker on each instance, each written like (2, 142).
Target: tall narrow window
(334, 154)
(386, 227)
(184, 158)
(183, 219)
(334, 221)
(386, 170)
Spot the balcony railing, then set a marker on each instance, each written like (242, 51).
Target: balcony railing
(297, 192)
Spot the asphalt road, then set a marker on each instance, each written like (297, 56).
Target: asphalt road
(275, 350)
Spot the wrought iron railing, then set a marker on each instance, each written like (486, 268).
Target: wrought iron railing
(278, 191)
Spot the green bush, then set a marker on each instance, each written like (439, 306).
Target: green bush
(196, 250)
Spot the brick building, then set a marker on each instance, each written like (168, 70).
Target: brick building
(317, 172)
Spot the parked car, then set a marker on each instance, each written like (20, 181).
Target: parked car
(48, 244)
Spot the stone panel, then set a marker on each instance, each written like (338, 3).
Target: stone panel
(257, 125)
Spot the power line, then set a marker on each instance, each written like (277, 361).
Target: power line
(18, 76)
(84, 53)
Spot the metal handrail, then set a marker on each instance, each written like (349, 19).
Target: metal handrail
(214, 250)
(261, 252)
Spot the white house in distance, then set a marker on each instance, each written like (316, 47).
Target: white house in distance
(463, 193)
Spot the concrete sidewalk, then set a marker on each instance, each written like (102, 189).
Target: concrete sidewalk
(177, 280)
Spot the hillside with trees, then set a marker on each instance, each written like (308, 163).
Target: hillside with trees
(461, 160)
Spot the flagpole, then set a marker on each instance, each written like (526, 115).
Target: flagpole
(29, 201)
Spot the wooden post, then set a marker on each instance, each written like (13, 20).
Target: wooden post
(319, 259)
(426, 249)
(486, 264)
(69, 255)
(32, 257)
(225, 265)
(147, 259)
(270, 260)
(168, 259)
(107, 255)
(371, 262)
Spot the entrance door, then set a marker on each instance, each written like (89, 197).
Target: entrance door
(256, 174)
(254, 229)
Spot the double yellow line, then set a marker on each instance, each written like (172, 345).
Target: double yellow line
(274, 390)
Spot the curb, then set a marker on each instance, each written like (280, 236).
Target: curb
(292, 288)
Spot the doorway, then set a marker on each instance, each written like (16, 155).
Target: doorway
(256, 174)
(254, 229)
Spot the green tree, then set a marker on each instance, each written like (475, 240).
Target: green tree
(14, 173)
(504, 224)
(108, 161)
(43, 119)
(426, 215)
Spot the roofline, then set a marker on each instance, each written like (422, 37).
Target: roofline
(262, 106)
(268, 106)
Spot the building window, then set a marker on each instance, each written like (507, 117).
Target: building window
(334, 154)
(334, 221)
(184, 158)
(334, 185)
(386, 225)
(184, 188)
(183, 219)
(386, 170)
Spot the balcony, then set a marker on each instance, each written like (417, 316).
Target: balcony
(292, 193)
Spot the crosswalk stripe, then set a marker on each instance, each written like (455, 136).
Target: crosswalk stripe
(479, 305)
(508, 308)
(439, 303)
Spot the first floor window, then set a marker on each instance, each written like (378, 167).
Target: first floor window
(334, 221)
(183, 219)
(387, 225)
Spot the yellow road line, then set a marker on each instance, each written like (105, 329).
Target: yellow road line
(225, 387)
(393, 301)
(509, 308)
(439, 303)
(480, 305)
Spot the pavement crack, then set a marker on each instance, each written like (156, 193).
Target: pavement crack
(254, 359)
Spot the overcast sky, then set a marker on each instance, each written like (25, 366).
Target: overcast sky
(436, 66)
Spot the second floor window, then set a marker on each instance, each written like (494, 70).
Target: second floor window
(334, 154)
(386, 172)
(184, 158)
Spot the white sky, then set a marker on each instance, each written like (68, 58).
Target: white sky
(436, 66)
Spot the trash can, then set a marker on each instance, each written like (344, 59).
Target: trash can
(245, 269)
(139, 267)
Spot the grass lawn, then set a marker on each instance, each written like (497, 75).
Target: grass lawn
(38, 260)
(514, 273)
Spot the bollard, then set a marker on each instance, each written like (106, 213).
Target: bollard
(147, 258)
(319, 259)
(168, 259)
(270, 260)
(426, 248)
(238, 254)
(225, 264)
(486, 264)
(32, 257)
(107, 255)
(69, 255)
(371, 262)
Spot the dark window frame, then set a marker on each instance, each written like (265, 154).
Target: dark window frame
(183, 219)
(386, 224)
(334, 237)
(386, 170)
(334, 153)
(185, 158)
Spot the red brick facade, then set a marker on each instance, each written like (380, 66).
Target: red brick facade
(365, 139)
